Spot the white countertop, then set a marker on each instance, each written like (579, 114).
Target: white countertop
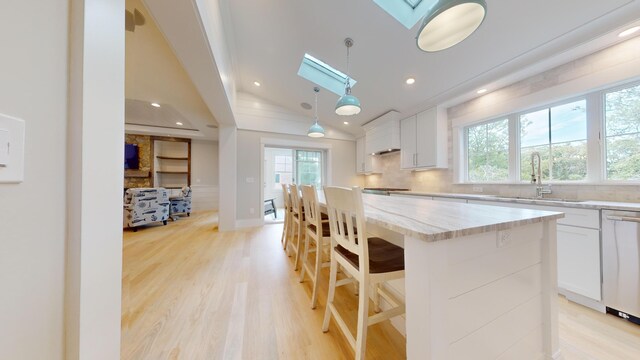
(587, 204)
(434, 220)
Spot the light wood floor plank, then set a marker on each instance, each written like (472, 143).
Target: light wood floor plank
(190, 292)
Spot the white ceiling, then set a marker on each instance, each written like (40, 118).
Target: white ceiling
(269, 38)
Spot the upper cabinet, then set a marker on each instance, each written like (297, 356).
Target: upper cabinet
(382, 133)
(365, 162)
(424, 140)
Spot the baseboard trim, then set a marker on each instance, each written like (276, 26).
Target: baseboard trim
(582, 300)
(249, 223)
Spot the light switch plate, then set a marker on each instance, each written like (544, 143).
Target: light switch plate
(12, 152)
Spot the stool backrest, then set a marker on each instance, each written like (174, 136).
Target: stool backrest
(343, 205)
(296, 205)
(287, 198)
(311, 206)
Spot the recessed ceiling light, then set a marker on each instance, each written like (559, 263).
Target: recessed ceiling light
(481, 91)
(256, 83)
(629, 31)
(410, 81)
(179, 123)
(345, 122)
(155, 104)
(373, 153)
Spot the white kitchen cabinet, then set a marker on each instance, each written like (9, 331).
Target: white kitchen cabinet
(365, 162)
(423, 140)
(578, 238)
(579, 261)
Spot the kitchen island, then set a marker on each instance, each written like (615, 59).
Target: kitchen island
(480, 281)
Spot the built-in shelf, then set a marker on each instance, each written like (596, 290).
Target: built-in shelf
(172, 158)
(136, 174)
(172, 172)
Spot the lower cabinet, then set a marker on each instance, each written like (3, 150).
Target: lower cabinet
(579, 261)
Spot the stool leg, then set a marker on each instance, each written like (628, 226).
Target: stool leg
(376, 297)
(363, 318)
(316, 276)
(305, 257)
(299, 243)
(332, 292)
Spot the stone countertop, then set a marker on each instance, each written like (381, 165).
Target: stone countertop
(436, 220)
(587, 204)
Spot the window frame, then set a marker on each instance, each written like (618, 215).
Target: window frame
(596, 140)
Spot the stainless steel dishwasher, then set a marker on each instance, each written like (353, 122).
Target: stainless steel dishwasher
(621, 263)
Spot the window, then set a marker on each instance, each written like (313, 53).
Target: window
(622, 129)
(283, 166)
(488, 151)
(309, 168)
(323, 74)
(559, 135)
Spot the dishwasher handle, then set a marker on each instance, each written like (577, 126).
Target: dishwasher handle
(623, 218)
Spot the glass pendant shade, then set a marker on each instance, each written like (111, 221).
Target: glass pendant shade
(348, 105)
(315, 131)
(449, 22)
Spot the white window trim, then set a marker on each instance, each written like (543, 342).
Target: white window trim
(596, 144)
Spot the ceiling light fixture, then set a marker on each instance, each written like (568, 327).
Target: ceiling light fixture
(316, 131)
(481, 91)
(449, 22)
(410, 81)
(256, 83)
(345, 122)
(629, 31)
(348, 104)
(179, 123)
(155, 104)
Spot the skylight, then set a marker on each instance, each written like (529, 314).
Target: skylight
(324, 75)
(407, 12)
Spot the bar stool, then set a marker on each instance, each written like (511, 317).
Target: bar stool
(286, 229)
(298, 222)
(317, 239)
(371, 261)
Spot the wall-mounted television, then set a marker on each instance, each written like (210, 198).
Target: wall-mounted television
(131, 159)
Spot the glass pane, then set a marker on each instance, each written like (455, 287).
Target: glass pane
(623, 157)
(309, 168)
(488, 151)
(569, 122)
(570, 161)
(622, 111)
(534, 128)
(525, 162)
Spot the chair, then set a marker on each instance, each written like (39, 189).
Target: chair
(181, 204)
(287, 217)
(144, 206)
(317, 234)
(298, 222)
(370, 261)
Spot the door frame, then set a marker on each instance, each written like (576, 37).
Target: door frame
(292, 144)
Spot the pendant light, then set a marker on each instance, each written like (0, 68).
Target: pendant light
(449, 22)
(348, 104)
(316, 131)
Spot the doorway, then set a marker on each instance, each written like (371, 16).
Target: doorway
(289, 166)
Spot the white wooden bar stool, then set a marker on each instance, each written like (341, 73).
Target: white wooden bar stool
(297, 222)
(317, 239)
(370, 261)
(286, 229)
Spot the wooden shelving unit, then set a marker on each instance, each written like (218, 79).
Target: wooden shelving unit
(173, 168)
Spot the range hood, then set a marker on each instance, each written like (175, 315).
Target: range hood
(383, 134)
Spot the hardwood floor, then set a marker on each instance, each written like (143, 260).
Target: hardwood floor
(190, 292)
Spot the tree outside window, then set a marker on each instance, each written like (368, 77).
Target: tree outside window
(622, 127)
(488, 151)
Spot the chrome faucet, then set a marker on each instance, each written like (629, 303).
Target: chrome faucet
(536, 178)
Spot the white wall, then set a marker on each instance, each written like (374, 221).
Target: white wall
(204, 175)
(32, 216)
(249, 158)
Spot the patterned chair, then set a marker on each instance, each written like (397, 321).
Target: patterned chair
(144, 206)
(181, 204)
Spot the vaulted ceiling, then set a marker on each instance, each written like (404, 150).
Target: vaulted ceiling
(268, 38)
